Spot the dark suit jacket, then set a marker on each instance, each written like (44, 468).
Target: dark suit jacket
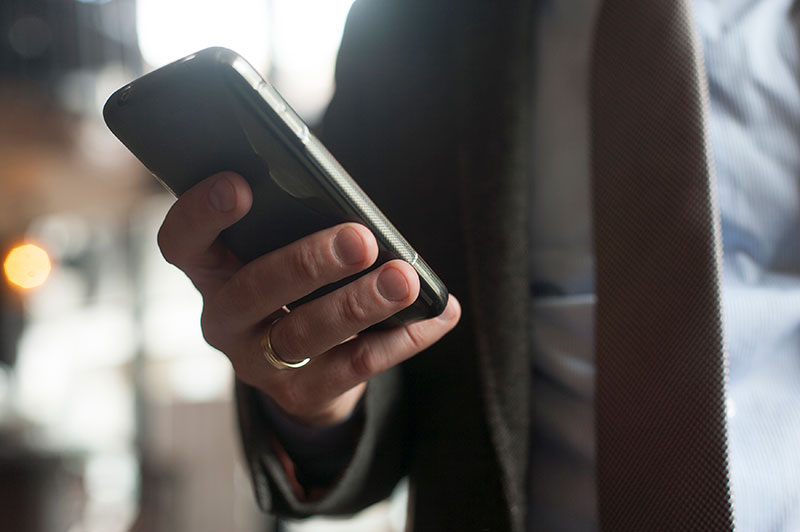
(431, 115)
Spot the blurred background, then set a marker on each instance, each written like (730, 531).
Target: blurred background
(114, 413)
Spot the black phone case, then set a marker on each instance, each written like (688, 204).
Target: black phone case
(211, 111)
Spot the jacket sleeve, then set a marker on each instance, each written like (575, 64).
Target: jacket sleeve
(380, 457)
(378, 463)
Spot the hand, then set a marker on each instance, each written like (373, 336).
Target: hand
(241, 300)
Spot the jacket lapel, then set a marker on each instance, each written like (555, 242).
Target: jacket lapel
(494, 148)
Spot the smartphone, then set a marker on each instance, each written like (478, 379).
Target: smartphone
(211, 111)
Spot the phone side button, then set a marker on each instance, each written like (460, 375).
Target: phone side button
(271, 97)
(296, 125)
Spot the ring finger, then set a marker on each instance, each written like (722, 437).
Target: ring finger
(319, 325)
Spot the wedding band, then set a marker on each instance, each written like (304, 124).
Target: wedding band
(269, 353)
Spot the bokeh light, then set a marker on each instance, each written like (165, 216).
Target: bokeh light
(27, 266)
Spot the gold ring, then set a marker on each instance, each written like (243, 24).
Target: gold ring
(269, 353)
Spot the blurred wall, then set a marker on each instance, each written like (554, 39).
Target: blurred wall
(114, 414)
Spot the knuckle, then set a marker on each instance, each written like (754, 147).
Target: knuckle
(210, 327)
(353, 308)
(165, 245)
(207, 327)
(306, 263)
(363, 362)
(416, 340)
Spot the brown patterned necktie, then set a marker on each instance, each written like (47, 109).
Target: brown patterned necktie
(660, 398)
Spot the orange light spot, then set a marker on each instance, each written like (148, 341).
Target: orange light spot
(27, 266)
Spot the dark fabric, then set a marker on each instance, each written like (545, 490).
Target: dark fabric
(495, 125)
(379, 460)
(430, 116)
(319, 454)
(661, 439)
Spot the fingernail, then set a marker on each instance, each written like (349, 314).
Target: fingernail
(392, 285)
(348, 246)
(222, 195)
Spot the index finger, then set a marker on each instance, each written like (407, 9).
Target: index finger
(188, 237)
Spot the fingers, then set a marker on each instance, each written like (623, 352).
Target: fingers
(188, 236)
(239, 298)
(362, 358)
(290, 273)
(314, 394)
(323, 323)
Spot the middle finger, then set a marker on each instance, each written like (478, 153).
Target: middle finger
(317, 326)
(292, 272)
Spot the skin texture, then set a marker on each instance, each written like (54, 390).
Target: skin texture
(241, 300)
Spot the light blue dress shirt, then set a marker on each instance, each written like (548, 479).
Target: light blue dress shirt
(752, 52)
